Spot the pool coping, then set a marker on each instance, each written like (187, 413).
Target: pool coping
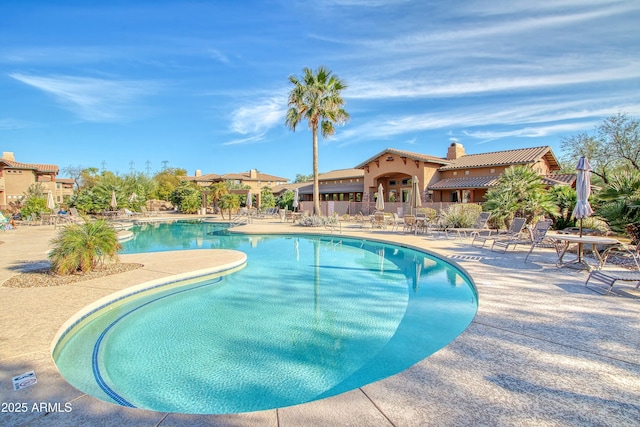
(542, 349)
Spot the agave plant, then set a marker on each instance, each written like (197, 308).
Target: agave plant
(81, 247)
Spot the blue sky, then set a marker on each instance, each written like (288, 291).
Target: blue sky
(203, 84)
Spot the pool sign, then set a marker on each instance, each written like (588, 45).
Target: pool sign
(25, 380)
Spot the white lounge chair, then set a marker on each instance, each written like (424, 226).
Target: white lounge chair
(514, 232)
(537, 239)
(479, 226)
(610, 277)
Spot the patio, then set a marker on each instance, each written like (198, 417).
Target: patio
(542, 350)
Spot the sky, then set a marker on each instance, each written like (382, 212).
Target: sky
(142, 85)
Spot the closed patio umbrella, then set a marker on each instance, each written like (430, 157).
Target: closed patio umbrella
(133, 197)
(249, 199)
(51, 204)
(380, 199)
(296, 196)
(114, 202)
(415, 201)
(583, 190)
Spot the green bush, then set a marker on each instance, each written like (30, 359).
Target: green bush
(81, 247)
(33, 205)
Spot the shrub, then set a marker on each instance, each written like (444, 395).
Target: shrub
(33, 205)
(81, 247)
(633, 230)
(313, 221)
(461, 215)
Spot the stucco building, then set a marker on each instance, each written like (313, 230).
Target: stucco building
(17, 177)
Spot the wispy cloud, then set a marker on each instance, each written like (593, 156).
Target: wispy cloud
(256, 119)
(13, 124)
(528, 119)
(93, 99)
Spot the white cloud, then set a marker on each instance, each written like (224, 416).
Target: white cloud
(92, 99)
(258, 118)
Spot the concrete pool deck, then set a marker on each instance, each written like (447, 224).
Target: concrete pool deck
(542, 350)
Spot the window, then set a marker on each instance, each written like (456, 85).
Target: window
(392, 182)
(406, 181)
(492, 170)
(455, 173)
(466, 172)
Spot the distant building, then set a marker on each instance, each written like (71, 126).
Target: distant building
(458, 177)
(337, 185)
(254, 179)
(17, 177)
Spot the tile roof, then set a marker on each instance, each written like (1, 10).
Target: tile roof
(490, 181)
(464, 182)
(341, 174)
(407, 154)
(520, 156)
(32, 166)
(247, 176)
(559, 178)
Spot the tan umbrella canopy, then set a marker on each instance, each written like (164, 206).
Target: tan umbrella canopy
(380, 199)
(51, 204)
(114, 202)
(415, 200)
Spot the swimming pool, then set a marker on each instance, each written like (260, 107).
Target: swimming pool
(307, 318)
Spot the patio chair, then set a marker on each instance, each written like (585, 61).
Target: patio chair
(409, 223)
(378, 220)
(396, 222)
(610, 277)
(537, 239)
(514, 231)
(478, 226)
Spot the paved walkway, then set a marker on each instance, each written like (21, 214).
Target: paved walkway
(542, 350)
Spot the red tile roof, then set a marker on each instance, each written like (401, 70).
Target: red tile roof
(31, 166)
(407, 154)
(521, 156)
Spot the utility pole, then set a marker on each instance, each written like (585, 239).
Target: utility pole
(131, 169)
(148, 167)
(164, 164)
(104, 166)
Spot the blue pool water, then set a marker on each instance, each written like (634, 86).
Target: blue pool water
(307, 318)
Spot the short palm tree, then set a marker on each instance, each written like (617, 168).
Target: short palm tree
(317, 98)
(81, 247)
(216, 192)
(230, 202)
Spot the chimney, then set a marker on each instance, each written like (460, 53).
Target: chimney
(456, 150)
(253, 174)
(198, 172)
(8, 155)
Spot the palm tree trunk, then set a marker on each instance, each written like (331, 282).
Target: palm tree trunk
(316, 185)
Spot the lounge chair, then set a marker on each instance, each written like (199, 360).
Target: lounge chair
(514, 231)
(479, 226)
(536, 239)
(610, 277)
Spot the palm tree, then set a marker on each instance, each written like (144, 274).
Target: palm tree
(230, 202)
(316, 98)
(80, 247)
(519, 192)
(217, 190)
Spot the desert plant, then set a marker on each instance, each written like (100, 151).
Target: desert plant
(81, 247)
(461, 215)
(229, 202)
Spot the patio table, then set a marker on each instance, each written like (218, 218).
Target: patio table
(562, 243)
